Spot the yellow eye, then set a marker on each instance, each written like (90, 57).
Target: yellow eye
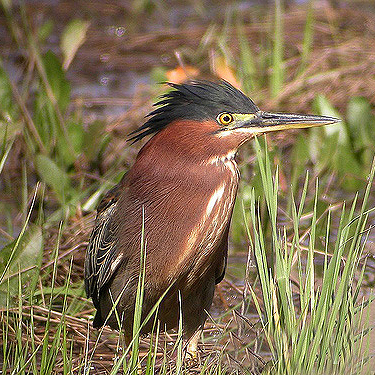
(225, 118)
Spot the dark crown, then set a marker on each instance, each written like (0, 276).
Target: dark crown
(197, 100)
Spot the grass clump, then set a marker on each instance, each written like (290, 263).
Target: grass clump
(312, 326)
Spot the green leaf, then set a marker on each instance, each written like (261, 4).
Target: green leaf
(360, 122)
(237, 229)
(6, 96)
(72, 38)
(328, 155)
(57, 80)
(46, 119)
(71, 292)
(342, 146)
(325, 108)
(94, 140)
(277, 75)
(25, 263)
(53, 176)
(45, 30)
(300, 157)
(9, 115)
(308, 34)
(247, 67)
(348, 166)
(77, 136)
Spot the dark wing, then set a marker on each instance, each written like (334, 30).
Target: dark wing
(220, 270)
(101, 251)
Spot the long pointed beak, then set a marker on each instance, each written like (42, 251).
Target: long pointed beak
(264, 122)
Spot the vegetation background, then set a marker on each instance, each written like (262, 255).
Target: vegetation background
(77, 77)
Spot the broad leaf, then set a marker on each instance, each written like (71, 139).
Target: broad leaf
(25, 260)
(72, 38)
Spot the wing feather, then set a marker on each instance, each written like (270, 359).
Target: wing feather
(102, 251)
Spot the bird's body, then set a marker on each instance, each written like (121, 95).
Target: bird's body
(182, 188)
(194, 238)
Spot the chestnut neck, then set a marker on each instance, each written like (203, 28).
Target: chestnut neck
(188, 141)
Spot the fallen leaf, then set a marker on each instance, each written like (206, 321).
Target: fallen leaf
(182, 74)
(224, 71)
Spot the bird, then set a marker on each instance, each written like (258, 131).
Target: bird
(177, 199)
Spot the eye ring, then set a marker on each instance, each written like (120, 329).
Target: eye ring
(225, 118)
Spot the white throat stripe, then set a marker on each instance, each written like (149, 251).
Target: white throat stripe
(214, 198)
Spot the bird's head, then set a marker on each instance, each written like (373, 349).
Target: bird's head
(216, 118)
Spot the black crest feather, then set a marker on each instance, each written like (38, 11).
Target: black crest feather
(196, 100)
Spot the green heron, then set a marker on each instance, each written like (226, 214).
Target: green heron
(182, 188)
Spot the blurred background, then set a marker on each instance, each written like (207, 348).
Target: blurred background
(76, 77)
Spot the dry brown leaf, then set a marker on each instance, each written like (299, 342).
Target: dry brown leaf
(224, 71)
(181, 74)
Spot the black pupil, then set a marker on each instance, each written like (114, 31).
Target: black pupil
(226, 118)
